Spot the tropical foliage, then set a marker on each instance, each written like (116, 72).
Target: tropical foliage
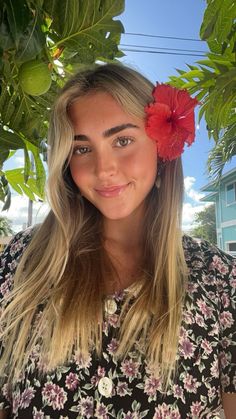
(5, 227)
(206, 225)
(214, 81)
(55, 37)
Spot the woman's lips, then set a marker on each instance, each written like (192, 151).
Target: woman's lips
(112, 191)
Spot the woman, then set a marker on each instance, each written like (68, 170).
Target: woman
(113, 313)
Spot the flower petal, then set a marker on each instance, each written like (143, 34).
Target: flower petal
(170, 120)
(157, 122)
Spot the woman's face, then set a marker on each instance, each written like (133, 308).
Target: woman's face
(114, 162)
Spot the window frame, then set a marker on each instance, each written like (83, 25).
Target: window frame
(226, 195)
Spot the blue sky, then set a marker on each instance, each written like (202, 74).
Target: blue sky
(169, 18)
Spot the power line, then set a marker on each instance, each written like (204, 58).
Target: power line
(168, 49)
(161, 52)
(160, 36)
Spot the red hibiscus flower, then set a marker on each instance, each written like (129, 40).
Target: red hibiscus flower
(170, 120)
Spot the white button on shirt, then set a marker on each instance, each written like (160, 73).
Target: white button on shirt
(110, 306)
(105, 386)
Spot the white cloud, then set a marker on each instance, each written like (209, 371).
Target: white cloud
(192, 204)
(188, 182)
(19, 161)
(190, 191)
(18, 212)
(189, 212)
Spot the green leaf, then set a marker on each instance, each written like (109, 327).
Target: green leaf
(5, 192)
(4, 154)
(6, 39)
(15, 178)
(87, 27)
(224, 20)
(32, 40)
(19, 16)
(10, 141)
(39, 169)
(191, 75)
(209, 19)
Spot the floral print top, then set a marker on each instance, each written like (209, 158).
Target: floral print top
(105, 388)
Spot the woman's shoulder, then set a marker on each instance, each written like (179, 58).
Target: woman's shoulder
(209, 266)
(11, 255)
(210, 254)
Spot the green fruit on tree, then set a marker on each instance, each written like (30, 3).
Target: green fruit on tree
(35, 77)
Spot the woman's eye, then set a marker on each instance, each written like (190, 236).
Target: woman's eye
(123, 141)
(81, 150)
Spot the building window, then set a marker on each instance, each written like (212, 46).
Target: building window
(231, 193)
(231, 247)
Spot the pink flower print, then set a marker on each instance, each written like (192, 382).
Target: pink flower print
(188, 318)
(167, 412)
(233, 281)
(6, 392)
(101, 411)
(178, 392)
(215, 368)
(130, 368)
(105, 328)
(197, 264)
(215, 330)
(225, 381)
(183, 333)
(82, 361)
(113, 320)
(119, 295)
(100, 373)
(37, 414)
(85, 407)
(205, 309)
(224, 269)
(122, 389)
(12, 265)
(151, 386)
(72, 381)
(199, 320)
(212, 393)
(224, 361)
(191, 384)
(15, 402)
(225, 342)
(206, 346)
(226, 319)
(225, 300)
(208, 279)
(192, 287)
(54, 396)
(219, 265)
(196, 408)
(26, 397)
(129, 415)
(5, 287)
(112, 346)
(186, 348)
(132, 415)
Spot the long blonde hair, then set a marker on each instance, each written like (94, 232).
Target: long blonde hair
(63, 268)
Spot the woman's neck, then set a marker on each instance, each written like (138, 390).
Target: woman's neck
(122, 234)
(123, 243)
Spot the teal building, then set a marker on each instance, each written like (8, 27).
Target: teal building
(223, 195)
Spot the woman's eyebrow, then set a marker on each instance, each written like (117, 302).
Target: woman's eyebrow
(108, 132)
(118, 128)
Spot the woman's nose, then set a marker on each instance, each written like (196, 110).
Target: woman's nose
(106, 165)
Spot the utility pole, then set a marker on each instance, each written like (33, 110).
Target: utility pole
(30, 204)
